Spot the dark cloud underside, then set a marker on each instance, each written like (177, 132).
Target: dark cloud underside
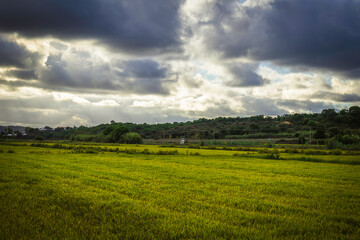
(322, 34)
(133, 76)
(132, 25)
(12, 54)
(244, 75)
(21, 74)
(337, 97)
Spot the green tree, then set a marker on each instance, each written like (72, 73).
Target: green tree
(354, 113)
(108, 130)
(311, 123)
(320, 133)
(332, 132)
(329, 113)
(301, 140)
(27, 130)
(39, 138)
(118, 132)
(9, 131)
(131, 138)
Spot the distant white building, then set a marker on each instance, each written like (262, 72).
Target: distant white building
(182, 141)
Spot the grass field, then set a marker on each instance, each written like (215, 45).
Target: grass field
(176, 193)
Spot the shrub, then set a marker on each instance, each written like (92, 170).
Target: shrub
(336, 152)
(332, 132)
(274, 154)
(146, 151)
(131, 138)
(263, 150)
(332, 144)
(270, 144)
(226, 148)
(211, 147)
(301, 140)
(169, 152)
(291, 150)
(195, 154)
(84, 138)
(348, 139)
(39, 138)
(197, 146)
(314, 152)
(319, 134)
(11, 151)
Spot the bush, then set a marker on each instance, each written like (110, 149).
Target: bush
(314, 152)
(270, 144)
(273, 155)
(119, 133)
(291, 150)
(131, 138)
(348, 139)
(39, 138)
(319, 134)
(11, 151)
(332, 144)
(263, 150)
(332, 132)
(301, 140)
(84, 138)
(169, 152)
(197, 146)
(336, 152)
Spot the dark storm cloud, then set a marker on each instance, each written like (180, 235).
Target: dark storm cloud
(135, 25)
(244, 75)
(14, 55)
(143, 69)
(134, 76)
(323, 34)
(354, 73)
(146, 75)
(21, 74)
(337, 97)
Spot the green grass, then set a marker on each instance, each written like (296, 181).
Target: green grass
(60, 193)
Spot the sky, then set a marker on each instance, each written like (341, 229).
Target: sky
(87, 62)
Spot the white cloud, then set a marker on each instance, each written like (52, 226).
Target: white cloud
(107, 103)
(71, 97)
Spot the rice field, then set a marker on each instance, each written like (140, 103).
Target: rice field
(161, 192)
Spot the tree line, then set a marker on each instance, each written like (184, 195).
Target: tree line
(342, 126)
